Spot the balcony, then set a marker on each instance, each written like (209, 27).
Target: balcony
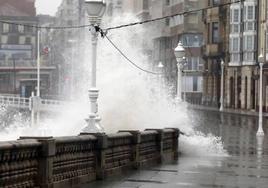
(212, 50)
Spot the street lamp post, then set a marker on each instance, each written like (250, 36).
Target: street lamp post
(95, 10)
(222, 85)
(184, 71)
(160, 67)
(38, 64)
(35, 100)
(179, 54)
(260, 128)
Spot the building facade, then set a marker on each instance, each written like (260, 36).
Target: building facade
(235, 34)
(215, 47)
(18, 50)
(167, 33)
(247, 42)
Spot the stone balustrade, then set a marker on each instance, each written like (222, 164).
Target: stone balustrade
(57, 162)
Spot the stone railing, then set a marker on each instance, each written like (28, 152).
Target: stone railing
(19, 163)
(72, 161)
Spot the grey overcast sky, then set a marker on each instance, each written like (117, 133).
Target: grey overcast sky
(47, 6)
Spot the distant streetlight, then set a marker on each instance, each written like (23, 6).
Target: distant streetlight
(222, 85)
(179, 54)
(260, 128)
(184, 63)
(160, 67)
(95, 10)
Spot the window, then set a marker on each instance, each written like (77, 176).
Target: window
(250, 12)
(235, 45)
(249, 56)
(176, 20)
(4, 39)
(21, 28)
(235, 57)
(5, 28)
(192, 84)
(13, 28)
(192, 40)
(194, 63)
(235, 28)
(167, 21)
(236, 16)
(200, 64)
(249, 45)
(235, 21)
(249, 48)
(2, 56)
(22, 40)
(213, 2)
(215, 32)
(195, 83)
(13, 40)
(250, 26)
(235, 49)
(249, 18)
(28, 40)
(28, 29)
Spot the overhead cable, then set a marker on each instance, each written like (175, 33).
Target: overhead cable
(120, 26)
(128, 59)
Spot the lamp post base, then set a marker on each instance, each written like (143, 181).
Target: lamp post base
(260, 133)
(93, 125)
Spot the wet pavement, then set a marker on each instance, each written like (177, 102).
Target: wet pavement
(245, 167)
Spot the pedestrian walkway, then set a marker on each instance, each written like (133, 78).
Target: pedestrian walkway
(227, 110)
(245, 166)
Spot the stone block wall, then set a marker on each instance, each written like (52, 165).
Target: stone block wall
(55, 162)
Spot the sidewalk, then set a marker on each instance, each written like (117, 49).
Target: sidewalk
(226, 110)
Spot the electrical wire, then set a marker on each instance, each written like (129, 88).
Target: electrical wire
(46, 27)
(120, 26)
(128, 59)
(173, 15)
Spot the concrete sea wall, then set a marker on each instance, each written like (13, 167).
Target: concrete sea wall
(62, 162)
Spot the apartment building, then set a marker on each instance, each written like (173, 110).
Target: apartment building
(216, 41)
(247, 42)
(18, 50)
